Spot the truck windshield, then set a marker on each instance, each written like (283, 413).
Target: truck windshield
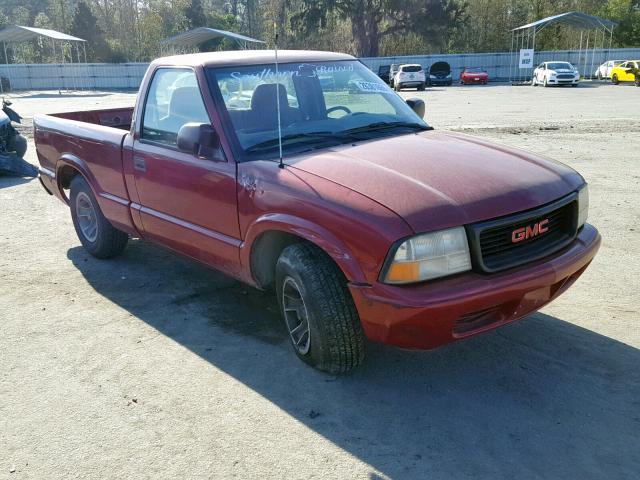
(321, 104)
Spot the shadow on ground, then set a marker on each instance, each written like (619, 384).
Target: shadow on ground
(62, 94)
(541, 398)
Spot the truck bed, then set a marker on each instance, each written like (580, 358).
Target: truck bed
(91, 143)
(119, 118)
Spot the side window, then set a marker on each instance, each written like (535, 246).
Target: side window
(173, 100)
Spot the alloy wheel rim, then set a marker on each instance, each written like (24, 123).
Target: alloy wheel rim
(87, 219)
(296, 316)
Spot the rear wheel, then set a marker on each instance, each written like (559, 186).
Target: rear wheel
(614, 79)
(599, 75)
(637, 81)
(318, 310)
(95, 232)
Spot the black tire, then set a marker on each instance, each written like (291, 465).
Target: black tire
(109, 242)
(637, 81)
(599, 75)
(336, 342)
(545, 84)
(421, 87)
(18, 144)
(614, 79)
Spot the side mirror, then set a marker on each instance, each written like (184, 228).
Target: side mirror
(198, 139)
(417, 106)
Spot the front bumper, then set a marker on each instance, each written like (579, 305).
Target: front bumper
(440, 81)
(563, 81)
(428, 315)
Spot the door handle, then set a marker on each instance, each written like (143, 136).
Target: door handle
(139, 164)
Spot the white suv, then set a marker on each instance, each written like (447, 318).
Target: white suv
(409, 76)
(555, 73)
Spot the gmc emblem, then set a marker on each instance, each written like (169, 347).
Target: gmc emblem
(530, 231)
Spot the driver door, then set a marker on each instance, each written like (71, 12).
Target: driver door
(186, 202)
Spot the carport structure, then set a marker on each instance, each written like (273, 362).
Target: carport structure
(16, 38)
(192, 39)
(595, 33)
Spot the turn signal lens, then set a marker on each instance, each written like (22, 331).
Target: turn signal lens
(428, 256)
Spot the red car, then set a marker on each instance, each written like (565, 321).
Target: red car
(470, 76)
(322, 184)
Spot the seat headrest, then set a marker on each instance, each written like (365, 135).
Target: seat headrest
(264, 97)
(186, 102)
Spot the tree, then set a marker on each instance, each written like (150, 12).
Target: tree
(373, 20)
(195, 14)
(85, 26)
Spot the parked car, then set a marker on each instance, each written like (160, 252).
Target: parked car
(440, 74)
(555, 73)
(409, 76)
(473, 75)
(383, 73)
(368, 224)
(604, 70)
(392, 73)
(626, 72)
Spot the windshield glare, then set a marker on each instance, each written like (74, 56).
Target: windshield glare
(320, 103)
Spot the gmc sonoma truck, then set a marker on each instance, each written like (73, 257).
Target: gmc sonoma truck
(314, 178)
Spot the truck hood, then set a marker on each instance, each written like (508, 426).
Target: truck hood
(436, 180)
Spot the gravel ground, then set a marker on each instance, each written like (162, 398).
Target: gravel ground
(150, 366)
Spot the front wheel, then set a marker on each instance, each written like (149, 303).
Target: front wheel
(97, 235)
(614, 79)
(545, 83)
(421, 87)
(637, 82)
(318, 310)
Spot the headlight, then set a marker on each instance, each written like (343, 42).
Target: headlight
(449, 76)
(583, 205)
(430, 255)
(432, 76)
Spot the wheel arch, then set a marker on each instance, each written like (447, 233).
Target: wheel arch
(270, 235)
(68, 167)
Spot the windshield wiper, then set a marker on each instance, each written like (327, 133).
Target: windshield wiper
(291, 139)
(377, 126)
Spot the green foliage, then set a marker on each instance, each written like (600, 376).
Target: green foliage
(131, 30)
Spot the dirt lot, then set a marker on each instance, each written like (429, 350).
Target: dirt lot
(150, 366)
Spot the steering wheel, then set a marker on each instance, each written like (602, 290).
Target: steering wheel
(339, 107)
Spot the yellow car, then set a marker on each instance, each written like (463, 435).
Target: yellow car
(628, 71)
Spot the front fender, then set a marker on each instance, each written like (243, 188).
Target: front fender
(314, 233)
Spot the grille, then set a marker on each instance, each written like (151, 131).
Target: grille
(492, 241)
(565, 76)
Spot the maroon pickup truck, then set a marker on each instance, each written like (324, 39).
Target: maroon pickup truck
(314, 178)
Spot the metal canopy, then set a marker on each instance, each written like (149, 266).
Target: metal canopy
(577, 20)
(18, 33)
(195, 37)
(594, 33)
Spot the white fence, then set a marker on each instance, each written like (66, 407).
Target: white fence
(503, 66)
(97, 76)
